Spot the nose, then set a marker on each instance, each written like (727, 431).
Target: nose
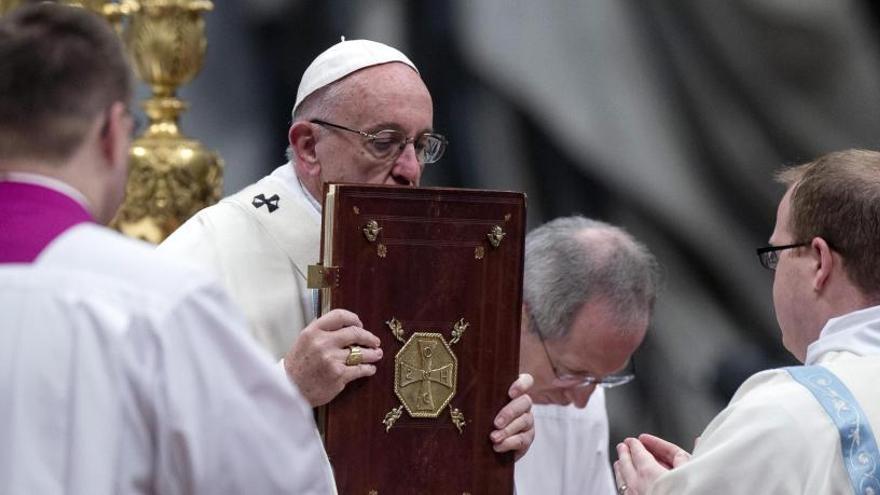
(407, 169)
(580, 396)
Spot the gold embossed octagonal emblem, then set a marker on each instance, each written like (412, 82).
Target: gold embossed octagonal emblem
(425, 374)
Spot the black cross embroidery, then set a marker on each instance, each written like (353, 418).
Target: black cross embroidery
(271, 203)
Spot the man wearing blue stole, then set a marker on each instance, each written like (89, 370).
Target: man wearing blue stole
(805, 429)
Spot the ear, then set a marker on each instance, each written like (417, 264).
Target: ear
(303, 143)
(116, 135)
(824, 263)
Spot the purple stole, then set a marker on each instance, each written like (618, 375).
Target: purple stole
(32, 216)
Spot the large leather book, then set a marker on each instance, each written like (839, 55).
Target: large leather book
(436, 274)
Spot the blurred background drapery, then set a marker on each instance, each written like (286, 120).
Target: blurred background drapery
(665, 117)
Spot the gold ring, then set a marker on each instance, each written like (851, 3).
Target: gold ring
(355, 356)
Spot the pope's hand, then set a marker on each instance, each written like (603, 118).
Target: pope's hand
(515, 423)
(317, 360)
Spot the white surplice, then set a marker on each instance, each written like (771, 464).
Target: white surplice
(570, 452)
(124, 372)
(774, 437)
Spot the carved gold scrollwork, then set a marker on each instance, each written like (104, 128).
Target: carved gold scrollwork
(371, 230)
(392, 416)
(458, 330)
(495, 235)
(396, 328)
(457, 419)
(168, 182)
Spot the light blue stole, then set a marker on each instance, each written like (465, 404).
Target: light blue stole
(860, 454)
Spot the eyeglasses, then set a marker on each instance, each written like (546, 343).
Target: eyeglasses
(769, 256)
(580, 380)
(389, 143)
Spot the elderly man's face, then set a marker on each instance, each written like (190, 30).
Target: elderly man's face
(388, 96)
(597, 345)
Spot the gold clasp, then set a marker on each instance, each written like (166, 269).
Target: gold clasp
(322, 277)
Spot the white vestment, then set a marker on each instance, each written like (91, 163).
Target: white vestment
(570, 452)
(774, 437)
(123, 372)
(260, 254)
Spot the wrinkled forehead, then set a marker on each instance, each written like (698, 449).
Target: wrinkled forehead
(599, 325)
(387, 93)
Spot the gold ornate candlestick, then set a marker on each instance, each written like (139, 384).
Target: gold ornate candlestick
(171, 176)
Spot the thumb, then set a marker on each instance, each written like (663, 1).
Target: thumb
(521, 385)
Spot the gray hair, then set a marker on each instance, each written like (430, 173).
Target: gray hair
(571, 260)
(320, 104)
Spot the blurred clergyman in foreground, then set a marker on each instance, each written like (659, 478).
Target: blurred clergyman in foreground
(120, 371)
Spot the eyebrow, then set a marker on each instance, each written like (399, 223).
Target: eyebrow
(568, 371)
(384, 126)
(597, 375)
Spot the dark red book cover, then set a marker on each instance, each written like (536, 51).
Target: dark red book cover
(436, 274)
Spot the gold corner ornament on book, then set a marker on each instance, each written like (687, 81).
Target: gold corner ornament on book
(436, 274)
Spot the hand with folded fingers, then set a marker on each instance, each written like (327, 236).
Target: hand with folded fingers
(329, 353)
(641, 461)
(515, 423)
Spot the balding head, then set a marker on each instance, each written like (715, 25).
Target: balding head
(573, 260)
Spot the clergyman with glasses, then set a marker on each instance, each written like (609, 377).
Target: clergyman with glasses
(362, 115)
(588, 297)
(802, 429)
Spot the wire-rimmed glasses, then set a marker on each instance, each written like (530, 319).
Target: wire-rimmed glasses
(389, 143)
(580, 380)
